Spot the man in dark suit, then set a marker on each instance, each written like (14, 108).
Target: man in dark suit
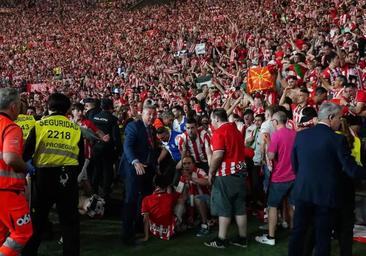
(318, 158)
(138, 166)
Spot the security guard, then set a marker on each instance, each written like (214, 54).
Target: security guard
(14, 210)
(56, 146)
(26, 122)
(105, 153)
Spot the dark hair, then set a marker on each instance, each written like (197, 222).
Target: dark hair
(191, 121)
(320, 90)
(350, 85)
(221, 114)
(237, 117)
(353, 120)
(106, 104)
(331, 56)
(179, 108)
(59, 103)
(160, 182)
(284, 110)
(248, 111)
(161, 130)
(261, 116)
(303, 89)
(343, 78)
(77, 106)
(308, 113)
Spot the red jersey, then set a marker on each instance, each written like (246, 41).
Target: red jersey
(229, 139)
(331, 74)
(88, 124)
(160, 208)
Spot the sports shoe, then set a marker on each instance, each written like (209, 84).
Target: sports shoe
(284, 224)
(239, 241)
(265, 240)
(203, 231)
(217, 243)
(60, 241)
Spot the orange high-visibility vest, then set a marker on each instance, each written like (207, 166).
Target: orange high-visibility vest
(9, 179)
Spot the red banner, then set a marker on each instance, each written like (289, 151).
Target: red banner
(260, 79)
(42, 87)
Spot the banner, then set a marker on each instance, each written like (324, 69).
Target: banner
(41, 87)
(204, 80)
(180, 53)
(200, 48)
(260, 79)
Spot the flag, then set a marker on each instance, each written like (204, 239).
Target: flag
(191, 49)
(232, 55)
(204, 80)
(259, 79)
(179, 44)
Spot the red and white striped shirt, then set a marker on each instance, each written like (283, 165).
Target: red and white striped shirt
(196, 148)
(193, 188)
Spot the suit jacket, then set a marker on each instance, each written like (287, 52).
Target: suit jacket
(319, 157)
(136, 146)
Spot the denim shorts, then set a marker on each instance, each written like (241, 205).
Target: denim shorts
(278, 191)
(204, 198)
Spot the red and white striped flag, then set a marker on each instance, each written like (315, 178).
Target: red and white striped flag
(180, 44)
(232, 55)
(191, 49)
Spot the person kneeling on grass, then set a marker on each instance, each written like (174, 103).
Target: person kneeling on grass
(195, 193)
(158, 211)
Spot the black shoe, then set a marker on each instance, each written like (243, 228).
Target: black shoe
(217, 243)
(239, 241)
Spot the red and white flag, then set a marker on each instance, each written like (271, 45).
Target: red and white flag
(192, 48)
(180, 44)
(232, 55)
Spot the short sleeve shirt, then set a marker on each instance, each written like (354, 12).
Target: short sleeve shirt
(13, 140)
(281, 145)
(229, 139)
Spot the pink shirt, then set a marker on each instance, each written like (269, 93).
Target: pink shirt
(281, 145)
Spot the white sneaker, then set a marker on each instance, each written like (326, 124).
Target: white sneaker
(284, 224)
(265, 240)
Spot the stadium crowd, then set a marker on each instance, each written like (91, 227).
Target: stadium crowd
(182, 69)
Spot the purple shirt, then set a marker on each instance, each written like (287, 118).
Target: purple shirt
(282, 142)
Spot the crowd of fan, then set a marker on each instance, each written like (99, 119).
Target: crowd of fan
(315, 49)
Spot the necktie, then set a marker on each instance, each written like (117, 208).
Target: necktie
(149, 136)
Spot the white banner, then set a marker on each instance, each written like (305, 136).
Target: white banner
(200, 48)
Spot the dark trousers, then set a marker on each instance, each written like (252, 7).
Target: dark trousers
(322, 218)
(256, 192)
(136, 188)
(47, 189)
(102, 175)
(344, 223)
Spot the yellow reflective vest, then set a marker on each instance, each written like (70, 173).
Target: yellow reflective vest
(57, 141)
(26, 122)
